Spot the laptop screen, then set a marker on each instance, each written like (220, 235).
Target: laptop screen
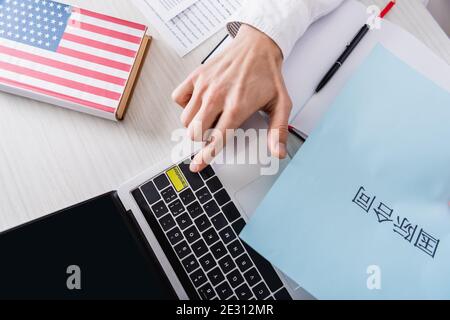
(89, 251)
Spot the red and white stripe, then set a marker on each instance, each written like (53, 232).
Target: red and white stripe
(90, 67)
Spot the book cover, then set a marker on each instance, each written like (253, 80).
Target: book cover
(68, 56)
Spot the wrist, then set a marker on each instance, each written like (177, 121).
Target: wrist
(258, 39)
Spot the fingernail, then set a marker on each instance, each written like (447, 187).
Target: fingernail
(280, 149)
(194, 167)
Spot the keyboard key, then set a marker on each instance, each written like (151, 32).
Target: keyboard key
(244, 292)
(219, 222)
(215, 276)
(169, 194)
(283, 295)
(141, 202)
(261, 291)
(161, 182)
(182, 249)
(194, 179)
(238, 226)
(252, 276)
(214, 185)
(159, 209)
(184, 221)
(175, 236)
(211, 208)
(235, 248)
(224, 290)
(227, 264)
(195, 209)
(176, 208)
(207, 292)
(210, 236)
(235, 278)
(191, 234)
(227, 235)
(244, 263)
(222, 197)
(187, 196)
(198, 278)
(203, 195)
(208, 262)
(190, 264)
(207, 173)
(218, 250)
(265, 268)
(200, 248)
(150, 192)
(231, 212)
(167, 222)
(175, 254)
(202, 223)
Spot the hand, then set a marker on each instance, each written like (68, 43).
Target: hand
(225, 92)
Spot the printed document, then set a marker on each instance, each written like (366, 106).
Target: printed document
(194, 25)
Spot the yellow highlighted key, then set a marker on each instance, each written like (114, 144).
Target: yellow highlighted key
(177, 178)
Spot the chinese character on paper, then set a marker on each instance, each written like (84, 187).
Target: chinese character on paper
(363, 200)
(405, 228)
(384, 213)
(427, 243)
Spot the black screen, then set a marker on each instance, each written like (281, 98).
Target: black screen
(97, 237)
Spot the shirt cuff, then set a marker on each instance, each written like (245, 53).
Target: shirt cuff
(277, 25)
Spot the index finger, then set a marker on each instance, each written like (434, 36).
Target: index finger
(218, 138)
(183, 93)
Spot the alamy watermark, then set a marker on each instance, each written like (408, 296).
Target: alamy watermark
(235, 147)
(374, 21)
(374, 277)
(73, 281)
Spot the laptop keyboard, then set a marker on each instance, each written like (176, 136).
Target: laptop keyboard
(197, 225)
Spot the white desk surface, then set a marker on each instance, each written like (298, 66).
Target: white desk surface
(51, 158)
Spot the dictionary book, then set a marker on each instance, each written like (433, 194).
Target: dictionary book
(70, 57)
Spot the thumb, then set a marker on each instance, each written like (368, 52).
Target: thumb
(278, 126)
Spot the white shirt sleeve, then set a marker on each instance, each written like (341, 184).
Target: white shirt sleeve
(285, 21)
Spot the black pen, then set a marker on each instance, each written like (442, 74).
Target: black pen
(340, 61)
(215, 49)
(350, 48)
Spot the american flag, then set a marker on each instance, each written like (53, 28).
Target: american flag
(73, 55)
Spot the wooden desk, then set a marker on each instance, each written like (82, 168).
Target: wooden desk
(51, 158)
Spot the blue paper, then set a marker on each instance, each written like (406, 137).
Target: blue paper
(335, 220)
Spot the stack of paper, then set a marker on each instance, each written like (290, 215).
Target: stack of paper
(169, 9)
(186, 24)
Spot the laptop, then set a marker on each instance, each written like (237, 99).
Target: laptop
(166, 234)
